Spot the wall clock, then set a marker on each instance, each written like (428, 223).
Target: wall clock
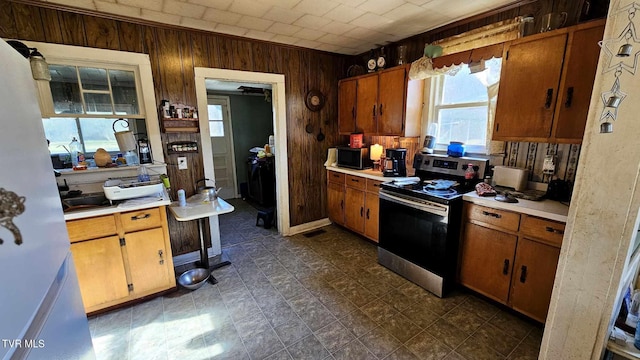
(314, 100)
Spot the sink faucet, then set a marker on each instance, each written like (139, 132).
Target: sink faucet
(64, 187)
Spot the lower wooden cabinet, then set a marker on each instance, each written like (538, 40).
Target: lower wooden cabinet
(511, 258)
(353, 202)
(133, 262)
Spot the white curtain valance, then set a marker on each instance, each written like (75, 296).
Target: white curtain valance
(492, 34)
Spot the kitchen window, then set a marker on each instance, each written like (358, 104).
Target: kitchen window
(461, 105)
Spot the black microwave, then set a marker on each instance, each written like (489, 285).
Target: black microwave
(354, 158)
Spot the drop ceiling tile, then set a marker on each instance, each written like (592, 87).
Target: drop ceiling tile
(338, 40)
(287, 4)
(337, 28)
(249, 7)
(197, 24)
(380, 6)
(352, 3)
(309, 34)
(406, 12)
(328, 47)
(312, 22)
(419, 2)
(284, 39)
(307, 43)
(315, 7)
(145, 4)
(84, 4)
(117, 8)
(222, 17)
(347, 50)
(183, 9)
(216, 4)
(160, 17)
(260, 35)
(363, 33)
(284, 29)
(285, 16)
(230, 29)
(344, 13)
(252, 23)
(372, 21)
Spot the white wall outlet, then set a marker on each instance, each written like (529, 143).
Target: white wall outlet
(549, 164)
(182, 163)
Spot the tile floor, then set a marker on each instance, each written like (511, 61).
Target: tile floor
(323, 297)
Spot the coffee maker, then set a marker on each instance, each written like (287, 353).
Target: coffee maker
(395, 162)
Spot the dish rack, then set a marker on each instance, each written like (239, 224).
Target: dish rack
(129, 188)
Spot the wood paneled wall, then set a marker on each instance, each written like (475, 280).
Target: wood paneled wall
(174, 53)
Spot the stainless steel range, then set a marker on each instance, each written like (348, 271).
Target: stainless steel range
(420, 220)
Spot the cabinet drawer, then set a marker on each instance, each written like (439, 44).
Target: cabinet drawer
(91, 228)
(504, 219)
(373, 185)
(356, 182)
(141, 219)
(548, 231)
(335, 177)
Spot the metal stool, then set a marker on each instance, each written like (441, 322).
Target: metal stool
(267, 218)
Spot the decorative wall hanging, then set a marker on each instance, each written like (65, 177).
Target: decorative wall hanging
(620, 57)
(11, 205)
(314, 100)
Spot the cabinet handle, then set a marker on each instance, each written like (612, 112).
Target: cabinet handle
(355, 180)
(374, 111)
(160, 253)
(140, 217)
(368, 214)
(567, 103)
(341, 204)
(523, 274)
(486, 213)
(547, 103)
(353, 113)
(505, 267)
(381, 109)
(361, 211)
(555, 231)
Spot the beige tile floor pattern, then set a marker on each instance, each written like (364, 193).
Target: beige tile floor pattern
(323, 297)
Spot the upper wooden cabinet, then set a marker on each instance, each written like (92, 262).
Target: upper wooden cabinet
(381, 103)
(546, 84)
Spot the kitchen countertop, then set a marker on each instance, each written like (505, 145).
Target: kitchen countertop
(547, 209)
(368, 173)
(128, 205)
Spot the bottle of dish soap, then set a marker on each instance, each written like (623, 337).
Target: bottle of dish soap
(74, 149)
(143, 174)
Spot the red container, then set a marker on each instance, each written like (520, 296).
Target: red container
(355, 141)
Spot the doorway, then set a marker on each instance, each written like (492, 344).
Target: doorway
(277, 84)
(221, 135)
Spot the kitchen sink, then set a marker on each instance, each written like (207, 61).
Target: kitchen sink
(85, 201)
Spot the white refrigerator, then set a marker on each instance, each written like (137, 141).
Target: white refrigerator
(41, 311)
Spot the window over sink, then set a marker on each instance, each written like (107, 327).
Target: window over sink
(460, 105)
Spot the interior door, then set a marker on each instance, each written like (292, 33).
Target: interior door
(221, 134)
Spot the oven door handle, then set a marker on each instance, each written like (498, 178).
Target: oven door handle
(433, 208)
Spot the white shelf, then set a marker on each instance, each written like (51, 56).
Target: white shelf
(628, 351)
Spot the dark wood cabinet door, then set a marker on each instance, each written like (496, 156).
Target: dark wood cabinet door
(354, 209)
(335, 202)
(580, 63)
(487, 260)
(367, 105)
(347, 106)
(391, 99)
(534, 274)
(529, 88)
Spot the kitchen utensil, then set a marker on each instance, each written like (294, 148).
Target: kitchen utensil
(506, 198)
(193, 279)
(510, 177)
(309, 127)
(455, 149)
(552, 21)
(210, 191)
(320, 136)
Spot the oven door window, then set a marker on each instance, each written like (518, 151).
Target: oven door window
(415, 235)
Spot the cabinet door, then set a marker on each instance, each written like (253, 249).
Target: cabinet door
(367, 105)
(347, 106)
(372, 207)
(534, 274)
(486, 261)
(100, 270)
(528, 89)
(354, 209)
(391, 102)
(335, 202)
(579, 73)
(148, 263)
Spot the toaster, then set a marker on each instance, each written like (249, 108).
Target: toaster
(511, 177)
